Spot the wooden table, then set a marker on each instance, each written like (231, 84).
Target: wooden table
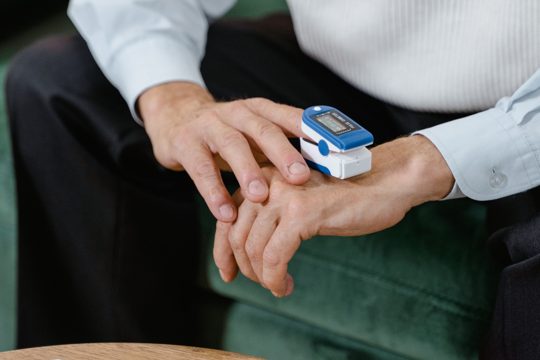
(121, 351)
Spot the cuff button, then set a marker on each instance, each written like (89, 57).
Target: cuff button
(497, 180)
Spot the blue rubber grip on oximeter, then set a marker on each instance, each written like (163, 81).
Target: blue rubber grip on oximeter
(354, 135)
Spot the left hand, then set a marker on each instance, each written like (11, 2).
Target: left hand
(190, 131)
(406, 172)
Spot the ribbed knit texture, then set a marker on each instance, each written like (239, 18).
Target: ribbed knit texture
(427, 55)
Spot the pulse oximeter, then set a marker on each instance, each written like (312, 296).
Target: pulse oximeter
(336, 144)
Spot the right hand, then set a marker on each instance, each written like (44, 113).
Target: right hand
(264, 238)
(190, 131)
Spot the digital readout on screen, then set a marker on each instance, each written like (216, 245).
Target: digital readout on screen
(335, 123)
(332, 123)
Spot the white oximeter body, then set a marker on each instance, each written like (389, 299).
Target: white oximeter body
(339, 143)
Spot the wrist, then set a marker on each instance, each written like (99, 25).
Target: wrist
(413, 168)
(431, 177)
(178, 94)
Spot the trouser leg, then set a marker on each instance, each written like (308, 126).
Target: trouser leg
(515, 329)
(96, 262)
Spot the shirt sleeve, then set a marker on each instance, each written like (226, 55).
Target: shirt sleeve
(142, 43)
(495, 153)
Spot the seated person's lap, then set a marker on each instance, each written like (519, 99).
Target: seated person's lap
(107, 235)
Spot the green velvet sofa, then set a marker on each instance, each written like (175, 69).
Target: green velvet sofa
(421, 290)
(7, 230)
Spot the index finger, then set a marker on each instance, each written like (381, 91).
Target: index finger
(272, 141)
(289, 118)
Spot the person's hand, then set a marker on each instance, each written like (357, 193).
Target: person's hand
(405, 173)
(190, 131)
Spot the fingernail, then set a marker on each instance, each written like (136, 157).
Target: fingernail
(223, 277)
(290, 286)
(226, 211)
(256, 187)
(297, 168)
(276, 294)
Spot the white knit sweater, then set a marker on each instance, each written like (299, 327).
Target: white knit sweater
(453, 55)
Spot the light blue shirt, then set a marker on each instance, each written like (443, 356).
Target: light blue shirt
(494, 153)
(142, 43)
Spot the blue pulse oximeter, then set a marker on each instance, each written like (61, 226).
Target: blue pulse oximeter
(336, 144)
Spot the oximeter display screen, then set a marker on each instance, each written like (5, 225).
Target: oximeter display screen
(336, 123)
(331, 123)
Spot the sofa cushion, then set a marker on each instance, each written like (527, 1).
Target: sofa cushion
(422, 289)
(255, 331)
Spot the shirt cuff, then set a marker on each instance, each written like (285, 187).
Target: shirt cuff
(151, 61)
(488, 154)
(455, 193)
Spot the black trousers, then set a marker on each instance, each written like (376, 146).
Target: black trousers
(106, 235)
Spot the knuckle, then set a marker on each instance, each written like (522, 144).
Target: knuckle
(238, 106)
(215, 195)
(208, 116)
(271, 258)
(167, 147)
(165, 157)
(222, 227)
(179, 133)
(181, 130)
(296, 207)
(180, 145)
(258, 102)
(236, 243)
(205, 170)
(208, 119)
(279, 190)
(237, 248)
(232, 139)
(268, 129)
(253, 253)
